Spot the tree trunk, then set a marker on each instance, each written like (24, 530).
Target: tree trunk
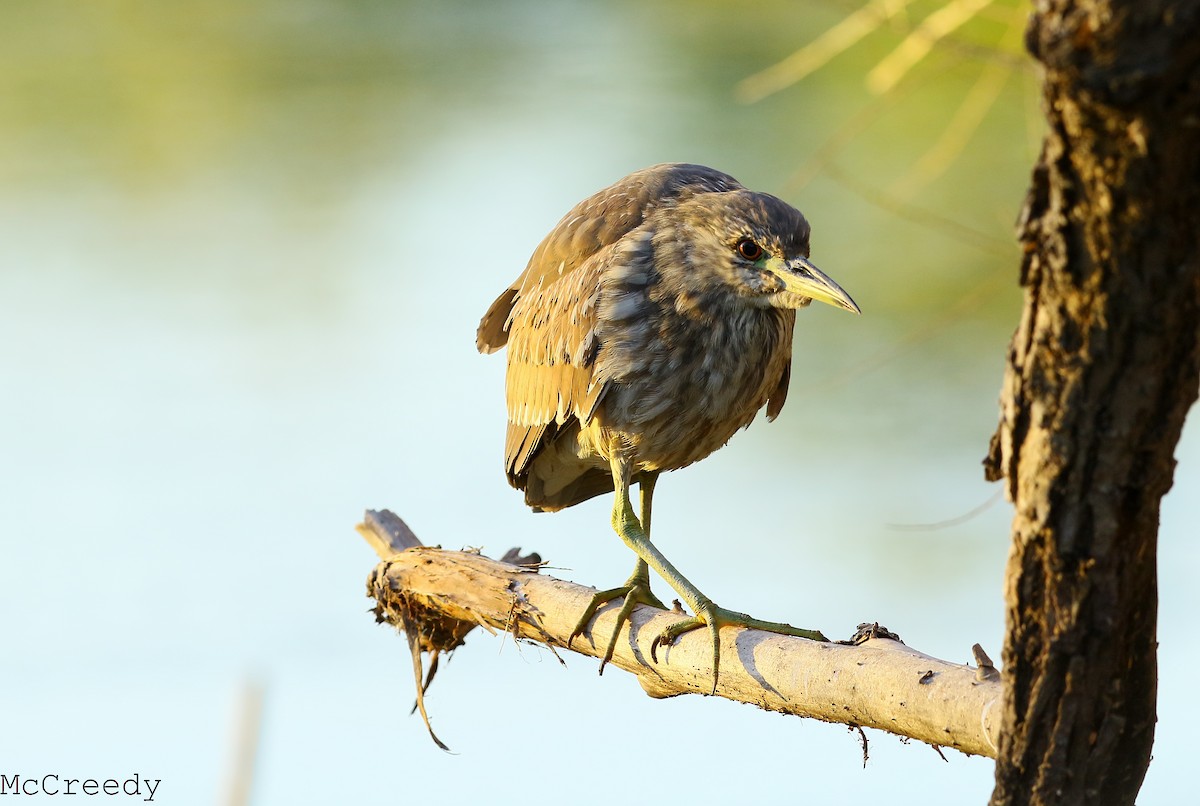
(1101, 372)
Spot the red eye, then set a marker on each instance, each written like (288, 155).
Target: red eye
(749, 249)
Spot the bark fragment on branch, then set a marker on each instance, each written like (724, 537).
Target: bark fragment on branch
(438, 595)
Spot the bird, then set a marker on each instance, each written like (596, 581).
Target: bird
(651, 324)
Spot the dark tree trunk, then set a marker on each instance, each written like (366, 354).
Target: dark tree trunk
(1101, 372)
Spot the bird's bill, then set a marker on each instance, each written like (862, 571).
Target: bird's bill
(802, 277)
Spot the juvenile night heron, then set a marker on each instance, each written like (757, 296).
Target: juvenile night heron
(651, 324)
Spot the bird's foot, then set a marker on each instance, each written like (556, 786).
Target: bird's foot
(713, 617)
(635, 591)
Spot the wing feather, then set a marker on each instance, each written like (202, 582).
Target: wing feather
(550, 373)
(779, 395)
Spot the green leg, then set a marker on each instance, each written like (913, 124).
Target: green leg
(635, 591)
(706, 613)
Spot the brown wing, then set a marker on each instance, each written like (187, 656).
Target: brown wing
(547, 317)
(551, 355)
(779, 395)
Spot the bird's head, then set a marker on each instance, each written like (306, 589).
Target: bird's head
(751, 244)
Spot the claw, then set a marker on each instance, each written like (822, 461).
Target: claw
(634, 592)
(716, 617)
(622, 617)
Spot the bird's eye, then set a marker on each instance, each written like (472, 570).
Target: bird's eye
(749, 249)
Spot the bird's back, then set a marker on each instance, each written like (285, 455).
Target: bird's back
(597, 222)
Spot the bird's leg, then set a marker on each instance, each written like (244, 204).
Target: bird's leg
(706, 613)
(646, 489)
(641, 571)
(636, 589)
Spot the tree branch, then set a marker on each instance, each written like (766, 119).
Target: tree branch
(436, 596)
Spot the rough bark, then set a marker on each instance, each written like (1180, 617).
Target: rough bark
(437, 596)
(1102, 370)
